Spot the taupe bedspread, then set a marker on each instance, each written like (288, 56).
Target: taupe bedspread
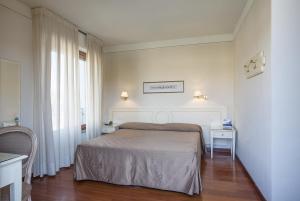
(168, 159)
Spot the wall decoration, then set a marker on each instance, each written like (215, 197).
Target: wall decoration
(256, 65)
(163, 87)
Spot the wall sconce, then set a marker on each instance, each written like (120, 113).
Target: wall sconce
(124, 95)
(199, 95)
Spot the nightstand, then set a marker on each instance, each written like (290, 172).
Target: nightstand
(223, 134)
(109, 129)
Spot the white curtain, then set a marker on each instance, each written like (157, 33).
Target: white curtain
(94, 87)
(56, 92)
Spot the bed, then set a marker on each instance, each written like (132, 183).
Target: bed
(161, 156)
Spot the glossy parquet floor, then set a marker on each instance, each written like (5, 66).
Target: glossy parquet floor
(223, 180)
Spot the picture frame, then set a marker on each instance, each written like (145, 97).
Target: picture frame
(163, 87)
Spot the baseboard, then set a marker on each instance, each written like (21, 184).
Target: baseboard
(252, 181)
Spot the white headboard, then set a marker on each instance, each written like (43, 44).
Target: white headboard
(204, 117)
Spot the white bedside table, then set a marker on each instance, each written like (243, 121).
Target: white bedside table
(223, 134)
(109, 129)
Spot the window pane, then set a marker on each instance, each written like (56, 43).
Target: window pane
(83, 81)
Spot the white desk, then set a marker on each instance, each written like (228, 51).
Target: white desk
(224, 134)
(11, 174)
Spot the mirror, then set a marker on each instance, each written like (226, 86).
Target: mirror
(10, 97)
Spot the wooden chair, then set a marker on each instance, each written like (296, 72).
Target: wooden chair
(19, 140)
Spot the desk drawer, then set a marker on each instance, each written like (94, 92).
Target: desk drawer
(222, 134)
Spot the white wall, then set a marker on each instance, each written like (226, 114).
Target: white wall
(253, 97)
(10, 96)
(16, 45)
(285, 100)
(207, 67)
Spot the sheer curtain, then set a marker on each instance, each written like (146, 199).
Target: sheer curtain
(94, 87)
(56, 92)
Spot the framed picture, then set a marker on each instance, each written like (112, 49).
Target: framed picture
(163, 87)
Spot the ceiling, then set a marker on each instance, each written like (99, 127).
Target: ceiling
(119, 22)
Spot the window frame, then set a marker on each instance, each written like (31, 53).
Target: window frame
(82, 56)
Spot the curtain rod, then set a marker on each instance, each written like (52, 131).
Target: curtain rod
(79, 30)
(84, 33)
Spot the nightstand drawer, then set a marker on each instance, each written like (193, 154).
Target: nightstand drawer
(222, 134)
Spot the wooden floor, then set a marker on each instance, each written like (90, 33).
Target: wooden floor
(223, 180)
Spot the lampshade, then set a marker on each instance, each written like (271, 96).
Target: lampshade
(199, 95)
(124, 95)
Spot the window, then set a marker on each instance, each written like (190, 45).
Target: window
(83, 87)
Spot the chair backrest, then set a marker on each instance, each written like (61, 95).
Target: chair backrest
(20, 140)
